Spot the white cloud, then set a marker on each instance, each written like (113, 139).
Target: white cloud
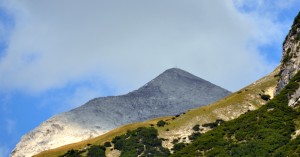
(58, 42)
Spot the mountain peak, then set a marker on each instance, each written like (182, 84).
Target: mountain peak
(175, 70)
(178, 72)
(173, 82)
(171, 93)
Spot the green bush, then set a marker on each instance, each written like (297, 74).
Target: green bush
(72, 153)
(194, 136)
(96, 151)
(175, 141)
(213, 124)
(265, 97)
(196, 127)
(288, 56)
(178, 146)
(140, 142)
(107, 144)
(161, 123)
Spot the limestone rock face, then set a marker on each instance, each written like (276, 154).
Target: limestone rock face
(290, 62)
(171, 93)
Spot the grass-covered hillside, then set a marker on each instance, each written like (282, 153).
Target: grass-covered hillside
(265, 132)
(179, 128)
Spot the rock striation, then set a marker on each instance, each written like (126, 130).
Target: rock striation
(172, 92)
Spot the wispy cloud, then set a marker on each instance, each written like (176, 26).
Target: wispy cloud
(272, 20)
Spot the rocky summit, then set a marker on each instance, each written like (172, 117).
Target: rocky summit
(172, 92)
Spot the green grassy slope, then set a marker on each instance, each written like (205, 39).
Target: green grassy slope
(264, 132)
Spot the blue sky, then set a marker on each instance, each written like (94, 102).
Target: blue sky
(56, 55)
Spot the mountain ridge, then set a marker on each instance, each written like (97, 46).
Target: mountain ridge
(172, 92)
(227, 108)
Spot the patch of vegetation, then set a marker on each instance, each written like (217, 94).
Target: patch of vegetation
(92, 151)
(287, 57)
(161, 123)
(256, 133)
(175, 141)
(194, 135)
(297, 37)
(279, 74)
(72, 153)
(213, 124)
(296, 24)
(196, 127)
(293, 31)
(107, 144)
(178, 146)
(290, 149)
(96, 151)
(265, 97)
(141, 142)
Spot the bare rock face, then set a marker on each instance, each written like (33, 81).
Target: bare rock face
(290, 62)
(171, 93)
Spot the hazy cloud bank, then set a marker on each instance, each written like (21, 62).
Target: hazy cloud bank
(128, 43)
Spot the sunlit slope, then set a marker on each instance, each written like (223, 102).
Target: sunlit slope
(179, 127)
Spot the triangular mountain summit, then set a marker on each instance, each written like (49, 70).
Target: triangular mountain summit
(172, 92)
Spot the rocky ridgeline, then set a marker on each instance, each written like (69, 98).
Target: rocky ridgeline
(171, 93)
(290, 62)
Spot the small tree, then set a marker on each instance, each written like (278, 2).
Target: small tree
(161, 123)
(98, 151)
(178, 146)
(196, 127)
(265, 97)
(194, 135)
(107, 144)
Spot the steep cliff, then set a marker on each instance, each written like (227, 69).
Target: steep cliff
(290, 62)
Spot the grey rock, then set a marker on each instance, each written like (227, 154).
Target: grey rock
(171, 93)
(290, 62)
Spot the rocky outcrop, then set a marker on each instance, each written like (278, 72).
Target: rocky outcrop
(290, 62)
(171, 93)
